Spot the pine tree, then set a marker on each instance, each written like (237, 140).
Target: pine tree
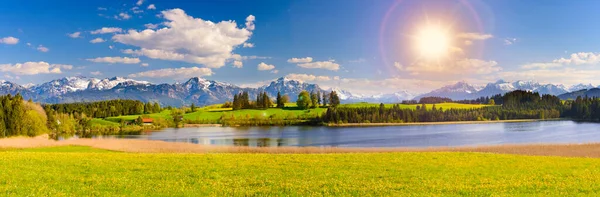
(193, 107)
(318, 98)
(325, 99)
(334, 100)
(279, 101)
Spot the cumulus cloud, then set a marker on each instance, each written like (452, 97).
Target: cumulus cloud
(97, 40)
(9, 40)
(248, 45)
(144, 64)
(178, 73)
(96, 73)
(151, 7)
(328, 65)
(474, 36)
(42, 48)
(306, 77)
(250, 22)
(114, 60)
(107, 30)
(151, 26)
(140, 2)
(187, 39)
(75, 35)
(238, 64)
(122, 16)
(300, 60)
(263, 66)
(581, 58)
(33, 68)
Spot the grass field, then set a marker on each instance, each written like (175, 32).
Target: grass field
(212, 113)
(428, 106)
(81, 171)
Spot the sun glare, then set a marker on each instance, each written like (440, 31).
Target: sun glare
(432, 42)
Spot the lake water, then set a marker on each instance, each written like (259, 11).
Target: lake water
(388, 136)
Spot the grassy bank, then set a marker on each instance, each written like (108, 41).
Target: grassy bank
(77, 171)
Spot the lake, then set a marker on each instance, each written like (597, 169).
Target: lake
(562, 131)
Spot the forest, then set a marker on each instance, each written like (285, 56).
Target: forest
(514, 105)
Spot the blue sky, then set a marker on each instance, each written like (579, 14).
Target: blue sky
(362, 46)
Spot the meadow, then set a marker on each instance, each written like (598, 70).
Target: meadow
(212, 114)
(83, 171)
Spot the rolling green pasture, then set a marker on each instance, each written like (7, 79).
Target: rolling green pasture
(428, 106)
(212, 113)
(77, 171)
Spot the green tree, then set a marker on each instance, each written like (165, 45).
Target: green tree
(334, 99)
(313, 100)
(193, 107)
(177, 115)
(279, 101)
(303, 101)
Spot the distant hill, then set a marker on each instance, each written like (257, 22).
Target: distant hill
(594, 92)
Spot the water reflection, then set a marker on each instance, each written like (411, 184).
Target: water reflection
(396, 136)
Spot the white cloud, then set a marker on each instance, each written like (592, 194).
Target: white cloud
(28, 44)
(509, 41)
(140, 2)
(106, 30)
(306, 77)
(9, 40)
(329, 65)
(398, 66)
(187, 39)
(113, 60)
(252, 57)
(42, 48)
(151, 26)
(248, 45)
(179, 73)
(122, 16)
(250, 22)
(151, 7)
(111, 47)
(97, 40)
(581, 58)
(144, 64)
(96, 73)
(300, 60)
(75, 35)
(474, 36)
(136, 10)
(33, 68)
(238, 64)
(263, 66)
(275, 71)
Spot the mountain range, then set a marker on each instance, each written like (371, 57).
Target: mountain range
(205, 92)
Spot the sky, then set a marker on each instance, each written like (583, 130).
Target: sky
(366, 47)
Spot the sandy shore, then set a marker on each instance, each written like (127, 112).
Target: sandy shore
(149, 146)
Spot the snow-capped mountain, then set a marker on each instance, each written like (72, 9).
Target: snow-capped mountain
(288, 86)
(462, 90)
(581, 86)
(73, 84)
(458, 91)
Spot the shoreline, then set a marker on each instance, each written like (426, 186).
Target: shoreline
(435, 123)
(152, 146)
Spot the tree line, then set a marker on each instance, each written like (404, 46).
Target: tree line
(305, 100)
(19, 117)
(103, 109)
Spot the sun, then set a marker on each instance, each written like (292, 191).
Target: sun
(433, 41)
